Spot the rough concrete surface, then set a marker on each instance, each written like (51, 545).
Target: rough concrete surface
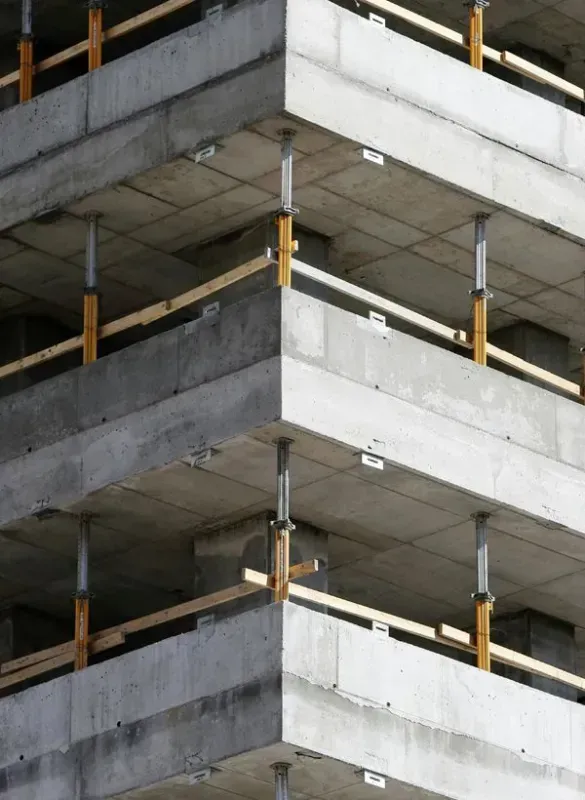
(432, 726)
(429, 411)
(162, 399)
(426, 110)
(142, 110)
(157, 712)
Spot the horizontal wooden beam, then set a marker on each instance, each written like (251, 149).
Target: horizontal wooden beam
(140, 20)
(142, 317)
(540, 75)
(62, 655)
(374, 301)
(511, 658)
(454, 335)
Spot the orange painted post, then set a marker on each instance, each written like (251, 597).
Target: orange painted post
(480, 293)
(82, 594)
(286, 212)
(90, 296)
(25, 47)
(95, 33)
(476, 9)
(282, 525)
(483, 599)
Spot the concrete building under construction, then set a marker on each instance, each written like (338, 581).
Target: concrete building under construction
(292, 453)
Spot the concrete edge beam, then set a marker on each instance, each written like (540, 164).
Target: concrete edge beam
(119, 121)
(435, 114)
(158, 712)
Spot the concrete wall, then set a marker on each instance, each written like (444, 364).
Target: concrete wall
(425, 720)
(432, 412)
(162, 399)
(282, 673)
(284, 356)
(435, 114)
(155, 713)
(142, 110)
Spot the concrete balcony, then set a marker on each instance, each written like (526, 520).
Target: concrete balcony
(173, 438)
(283, 683)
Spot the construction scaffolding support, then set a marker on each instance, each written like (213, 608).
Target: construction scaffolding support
(483, 599)
(82, 594)
(90, 297)
(286, 212)
(281, 781)
(480, 293)
(282, 525)
(95, 33)
(476, 8)
(25, 47)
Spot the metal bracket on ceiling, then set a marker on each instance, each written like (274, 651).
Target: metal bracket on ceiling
(375, 462)
(373, 156)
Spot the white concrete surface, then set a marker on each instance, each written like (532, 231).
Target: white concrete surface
(424, 719)
(283, 681)
(434, 114)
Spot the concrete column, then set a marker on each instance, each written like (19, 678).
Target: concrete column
(542, 637)
(535, 344)
(221, 555)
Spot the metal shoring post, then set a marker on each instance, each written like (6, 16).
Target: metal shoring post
(282, 525)
(480, 293)
(476, 8)
(483, 599)
(90, 296)
(286, 212)
(95, 33)
(25, 47)
(281, 781)
(82, 594)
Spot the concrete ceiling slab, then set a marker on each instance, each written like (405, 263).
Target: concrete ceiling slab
(143, 533)
(389, 229)
(429, 575)
(205, 493)
(183, 183)
(511, 558)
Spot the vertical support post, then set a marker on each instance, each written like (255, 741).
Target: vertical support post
(480, 293)
(25, 47)
(90, 296)
(483, 599)
(286, 212)
(82, 594)
(281, 781)
(476, 8)
(95, 33)
(282, 525)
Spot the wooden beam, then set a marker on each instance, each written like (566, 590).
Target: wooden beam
(511, 658)
(531, 369)
(142, 317)
(375, 301)
(418, 21)
(59, 659)
(111, 637)
(261, 580)
(347, 607)
(540, 75)
(140, 20)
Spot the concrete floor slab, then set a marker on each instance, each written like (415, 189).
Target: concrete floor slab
(148, 720)
(401, 535)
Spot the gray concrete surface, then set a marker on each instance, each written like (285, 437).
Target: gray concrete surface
(142, 407)
(164, 710)
(283, 674)
(210, 79)
(435, 114)
(456, 439)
